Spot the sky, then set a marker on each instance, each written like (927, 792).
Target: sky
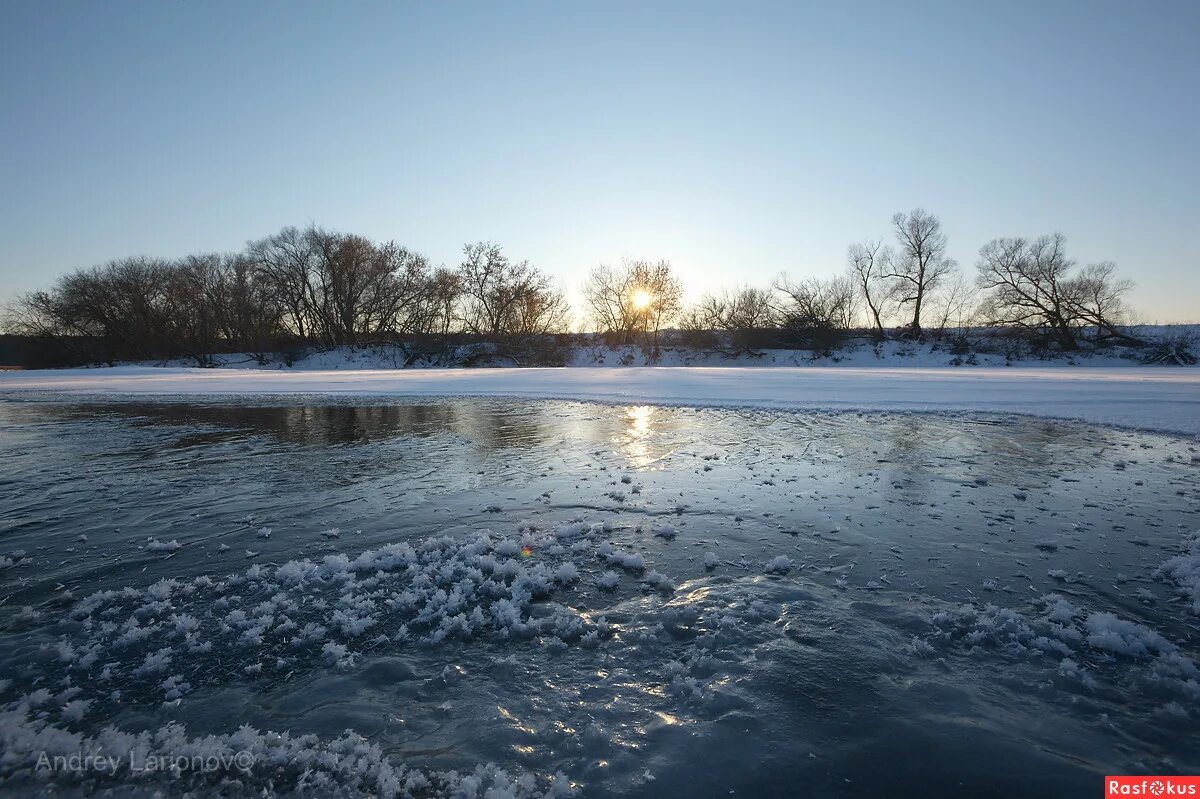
(738, 140)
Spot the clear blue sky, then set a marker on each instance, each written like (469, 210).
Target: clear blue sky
(736, 139)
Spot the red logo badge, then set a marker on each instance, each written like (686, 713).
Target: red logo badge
(1152, 787)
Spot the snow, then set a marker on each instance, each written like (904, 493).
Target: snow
(630, 561)
(657, 580)
(667, 531)
(780, 564)
(1152, 398)
(1146, 660)
(440, 589)
(244, 761)
(1122, 637)
(608, 581)
(154, 545)
(1184, 571)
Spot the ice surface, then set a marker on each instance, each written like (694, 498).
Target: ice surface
(841, 598)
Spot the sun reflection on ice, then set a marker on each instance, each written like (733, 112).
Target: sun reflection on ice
(640, 417)
(639, 420)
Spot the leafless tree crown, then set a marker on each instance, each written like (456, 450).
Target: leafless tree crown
(1034, 286)
(919, 264)
(612, 294)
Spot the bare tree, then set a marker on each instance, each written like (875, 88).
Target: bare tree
(41, 315)
(434, 313)
(920, 263)
(36, 313)
(345, 272)
(743, 317)
(124, 302)
(1030, 286)
(952, 304)
(867, 262)
(193, 292)
(501, 298)
(249, 315)
(815, 312)
(817, 302)
(286, 260)
(1099, 299)
(634, 297)
(609, 295)
(489, 288)
(393, 282)
(341, 288)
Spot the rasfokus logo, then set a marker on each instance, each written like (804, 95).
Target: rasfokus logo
(1151, 786)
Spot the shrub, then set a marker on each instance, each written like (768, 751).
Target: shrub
(1175, 350)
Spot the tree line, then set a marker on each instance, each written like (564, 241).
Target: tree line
(315, 288)
(299, 287)
(910, 288)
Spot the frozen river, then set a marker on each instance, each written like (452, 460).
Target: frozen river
(626, 600)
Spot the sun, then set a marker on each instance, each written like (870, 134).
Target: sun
(642, 299)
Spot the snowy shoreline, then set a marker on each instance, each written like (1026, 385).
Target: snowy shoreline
(1147, 398)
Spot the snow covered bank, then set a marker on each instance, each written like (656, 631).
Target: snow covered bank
(965, 347)
(1140, 397)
